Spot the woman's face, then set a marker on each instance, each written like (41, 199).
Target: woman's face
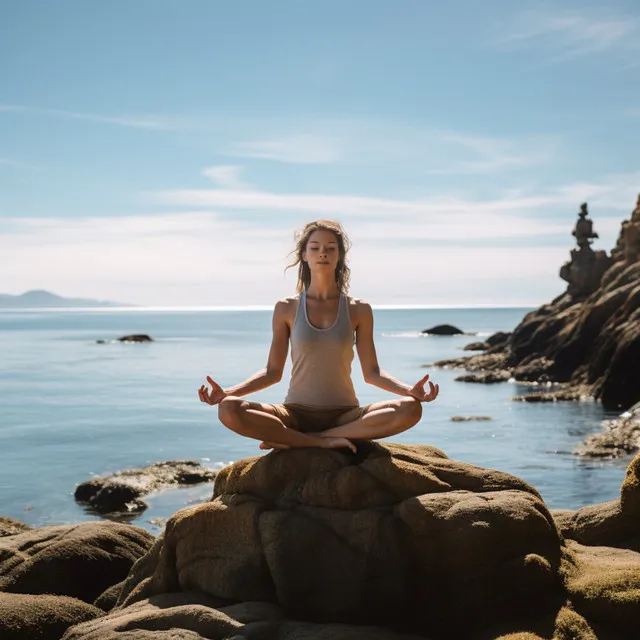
(322, 251)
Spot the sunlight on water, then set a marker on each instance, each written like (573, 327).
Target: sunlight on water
(72, 408)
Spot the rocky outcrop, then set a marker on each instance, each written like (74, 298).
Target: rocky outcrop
(395, 543)
(370, 539)
(50, 576)
(74, 560)
(590, 335)
(121, 491)
(619, 437)
(9, 526)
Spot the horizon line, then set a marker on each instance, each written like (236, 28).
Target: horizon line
(381, 307)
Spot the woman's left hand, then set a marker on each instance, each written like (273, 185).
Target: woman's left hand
(418, 392)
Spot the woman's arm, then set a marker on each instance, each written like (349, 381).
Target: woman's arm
(371, 369)
(272, 373)
(367, 354)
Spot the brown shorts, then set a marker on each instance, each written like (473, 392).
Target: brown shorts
(314, 419)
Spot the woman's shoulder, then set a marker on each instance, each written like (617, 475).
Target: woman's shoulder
(285, 307)
(358, 306)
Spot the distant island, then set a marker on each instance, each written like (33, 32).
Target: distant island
(41, 298)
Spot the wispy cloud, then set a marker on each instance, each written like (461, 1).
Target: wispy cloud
(568, 33)
(616, 193)
(494, 155)
(227, 177)
(303, 148)
(137, 122)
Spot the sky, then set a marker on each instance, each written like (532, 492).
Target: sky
(161, 152)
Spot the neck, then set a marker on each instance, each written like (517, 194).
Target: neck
(323, 287)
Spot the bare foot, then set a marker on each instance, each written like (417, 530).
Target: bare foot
(338, 443)
(265, 446)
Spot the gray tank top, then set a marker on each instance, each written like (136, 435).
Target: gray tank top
(321, 359)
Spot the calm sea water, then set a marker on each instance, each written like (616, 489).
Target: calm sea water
(71, 408)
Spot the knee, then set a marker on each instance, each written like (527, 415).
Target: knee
(229, 411)
(411, 411)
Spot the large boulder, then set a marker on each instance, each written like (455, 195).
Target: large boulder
(76, 560)
(41, 617)
(397, 535)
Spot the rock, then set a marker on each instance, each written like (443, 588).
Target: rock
(481, 362)
(443, 330)
(477, 346)
(195, 616)
(110, 497)
(535, 369)
(10, 526)
(590, 335)
(121, 491)
(609, 523)
(136, 337)
(323, 545)
(45, 617)
(494, 342)
(364, 539)
(108, 599)
(485, 377)
(499, 338)
(469, 418)
(620, 437)
(559, 394)
(603, 584)
(75, 560)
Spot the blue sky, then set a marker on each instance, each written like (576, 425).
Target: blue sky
(163, 152)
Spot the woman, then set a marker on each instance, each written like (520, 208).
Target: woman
(321, 408)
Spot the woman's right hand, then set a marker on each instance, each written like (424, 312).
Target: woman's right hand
(213, 397)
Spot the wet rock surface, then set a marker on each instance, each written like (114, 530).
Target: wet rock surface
(121, 491)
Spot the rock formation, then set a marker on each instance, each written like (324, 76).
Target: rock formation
(619, 437)
(585, 269)
(121, 491)
(588, 338)
(395, 543)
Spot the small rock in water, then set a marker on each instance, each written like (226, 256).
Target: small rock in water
(443, 330)
(121, 491)
(469, 418)
(136, 337)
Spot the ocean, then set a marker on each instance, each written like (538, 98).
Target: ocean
(71, 408)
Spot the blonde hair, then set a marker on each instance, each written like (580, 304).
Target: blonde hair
(343, 273)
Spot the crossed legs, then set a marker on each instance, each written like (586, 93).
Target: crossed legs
(259, 421)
